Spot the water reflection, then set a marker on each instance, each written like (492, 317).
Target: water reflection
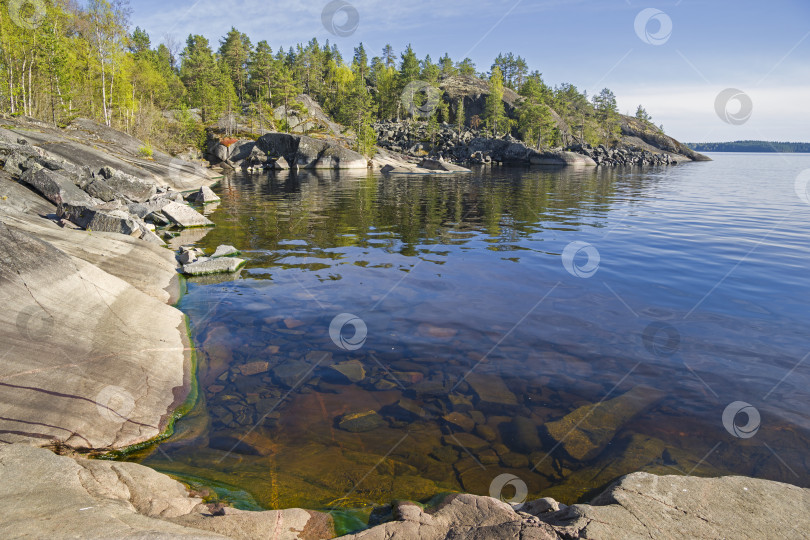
(483, 355)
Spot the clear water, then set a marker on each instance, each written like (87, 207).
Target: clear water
(699, 298)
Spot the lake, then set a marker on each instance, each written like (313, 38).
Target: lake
(399, 337)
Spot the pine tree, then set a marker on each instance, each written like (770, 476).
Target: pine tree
(235, 50)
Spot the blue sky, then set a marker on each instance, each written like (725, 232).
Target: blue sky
(760, 48)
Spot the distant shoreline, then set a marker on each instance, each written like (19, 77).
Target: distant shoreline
(770, 147)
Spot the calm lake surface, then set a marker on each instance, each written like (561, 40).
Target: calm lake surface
(493, 306)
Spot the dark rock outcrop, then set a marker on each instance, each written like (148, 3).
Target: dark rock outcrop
(297, 151)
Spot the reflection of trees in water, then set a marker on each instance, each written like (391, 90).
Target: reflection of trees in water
(339, 208)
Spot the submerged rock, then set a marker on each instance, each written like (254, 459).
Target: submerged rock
(361, 422)
(352, 370)
(521, 435)
(491, 390)
(584, 433)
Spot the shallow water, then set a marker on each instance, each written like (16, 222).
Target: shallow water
(689, 288)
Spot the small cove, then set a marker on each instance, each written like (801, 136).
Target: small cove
(478, 335)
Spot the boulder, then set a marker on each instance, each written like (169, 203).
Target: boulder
(132, 188)
(184, 216)
(281, 164)
(213, 266)
(561, 159)
(99, 189)
(240, 151)
(204, 196)
(100, 218)
(308, 153)
(318, 154)
(225, 251)
(55, 187)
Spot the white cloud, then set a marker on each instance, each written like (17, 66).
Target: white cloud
(688, 113)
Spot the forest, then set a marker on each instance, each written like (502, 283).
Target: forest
(752, 146)
(62, 60)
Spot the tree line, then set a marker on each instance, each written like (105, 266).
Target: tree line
(751, 146)
(70, 60)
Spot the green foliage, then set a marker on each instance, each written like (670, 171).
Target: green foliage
(513, 68)
(607, 115)
(83, 61)
(460, 114)
(494, 112)
(751, 146)
(641, 114)
(535, 124)
(145, 151)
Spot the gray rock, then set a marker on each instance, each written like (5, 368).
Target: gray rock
(318, 154)
(225, 251)
(56, 188)
(133, 188)
(184, 216)
(281, 164)
(240, 151)
(441, 165)
(71, 297)
(99, 189)
(308, 153)
(17, 162)
(138, 210)
(640, 506)
(187, 257)
(213, 266)
(99, 218)
(643, 505)
(203, 196)
(94, 145)
(79, 498)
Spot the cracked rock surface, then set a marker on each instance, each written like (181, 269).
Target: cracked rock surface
(50, 496)
(638, 506)
(92, 356)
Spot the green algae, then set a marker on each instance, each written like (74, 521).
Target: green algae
(132, 452)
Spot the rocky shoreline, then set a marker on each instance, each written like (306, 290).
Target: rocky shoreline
(95, 358)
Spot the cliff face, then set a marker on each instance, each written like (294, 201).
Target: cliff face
(634, 130)
(474, 92)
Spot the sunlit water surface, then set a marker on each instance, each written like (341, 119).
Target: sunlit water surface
(693, 294)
